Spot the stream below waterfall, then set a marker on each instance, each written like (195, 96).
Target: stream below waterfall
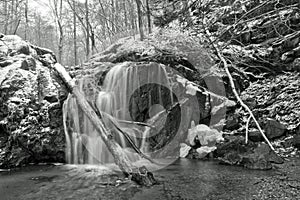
(184, 179)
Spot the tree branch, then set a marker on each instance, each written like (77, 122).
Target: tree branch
(235, 91)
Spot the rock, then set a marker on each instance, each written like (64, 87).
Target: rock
(205, 135)
(29, 120)
(28, 64)
(232, 121)
(15, 100)
(274, 129)
(232, 144)
(287, 142)
(251, 102)
(277, 98)
(255, 135)
(231, 158)
(234, 151)
(261, 158)
(297, 129)
(204, 151)
(296, 141)
(14, 45)
(296, 65)
(253, 161)
(184, 150)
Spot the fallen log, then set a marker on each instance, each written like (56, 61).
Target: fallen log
(138, 174)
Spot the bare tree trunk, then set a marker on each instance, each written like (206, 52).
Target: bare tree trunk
(61, 32)
(11, 16)
(6, 17)
(75, 34)
(38, 28)
(117, 11)
(138, 4)
(113, 16)
(17, 26)
(87, 29)
(125, 14)
(133, 18)
(26, 19)
(109, 32)
(93, 40)
(148, 16)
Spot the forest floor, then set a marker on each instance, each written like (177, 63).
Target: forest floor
(184, 179)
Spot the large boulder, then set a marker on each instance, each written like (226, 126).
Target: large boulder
(30, 106)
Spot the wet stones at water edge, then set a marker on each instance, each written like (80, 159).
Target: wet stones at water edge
(253, 155)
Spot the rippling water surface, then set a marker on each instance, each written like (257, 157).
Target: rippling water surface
(184, 179)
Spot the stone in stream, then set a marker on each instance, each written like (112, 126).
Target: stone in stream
(253, 155)
(184, 150)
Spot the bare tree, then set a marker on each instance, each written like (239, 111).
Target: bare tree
(57, 11)
(139, 11)
(148, 16)
(87, 29)
(26, 19)
(75, 34)
(6, 16)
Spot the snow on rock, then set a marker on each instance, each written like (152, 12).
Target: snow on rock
(184, 150)
(203, 151)
(205, 135)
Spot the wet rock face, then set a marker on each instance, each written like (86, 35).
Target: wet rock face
(30, 113)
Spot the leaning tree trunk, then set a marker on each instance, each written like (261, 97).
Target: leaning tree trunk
(140, 175)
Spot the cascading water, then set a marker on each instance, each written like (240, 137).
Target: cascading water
(84, 144)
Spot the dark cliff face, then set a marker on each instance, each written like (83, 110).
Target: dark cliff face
(30, 106)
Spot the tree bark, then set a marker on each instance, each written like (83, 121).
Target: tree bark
(87, 29)
(125, 14)
(148, 16)
(112, 18)
(75, 34)
(26, 19)
(5, 17)
(141, 31)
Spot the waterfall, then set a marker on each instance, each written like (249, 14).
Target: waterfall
(83, 143)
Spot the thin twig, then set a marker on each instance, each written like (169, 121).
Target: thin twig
(136, 123)
(235, 91)
(127, 137)
(247, 130)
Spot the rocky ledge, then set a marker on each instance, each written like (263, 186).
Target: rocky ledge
(30, 106)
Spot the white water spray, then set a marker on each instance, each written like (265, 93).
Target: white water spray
(84, 144)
